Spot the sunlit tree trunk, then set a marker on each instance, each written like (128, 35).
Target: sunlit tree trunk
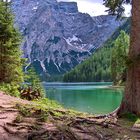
(131, 100)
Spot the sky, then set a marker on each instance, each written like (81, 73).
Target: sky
(94, 7)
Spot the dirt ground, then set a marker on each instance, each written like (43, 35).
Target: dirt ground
(12, 127)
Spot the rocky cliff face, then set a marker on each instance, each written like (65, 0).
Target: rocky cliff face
(56, 36)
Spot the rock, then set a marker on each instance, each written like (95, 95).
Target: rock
(69, 7)
(136, 127)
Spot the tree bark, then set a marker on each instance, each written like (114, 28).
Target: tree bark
(131, 100)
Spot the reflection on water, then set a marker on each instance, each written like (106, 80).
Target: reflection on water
(93, 98)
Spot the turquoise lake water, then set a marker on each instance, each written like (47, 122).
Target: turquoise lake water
(95, 98)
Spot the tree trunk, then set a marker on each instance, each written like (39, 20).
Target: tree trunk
(131, 100)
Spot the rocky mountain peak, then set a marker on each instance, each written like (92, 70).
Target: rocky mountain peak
(56, 36)
(68, 7)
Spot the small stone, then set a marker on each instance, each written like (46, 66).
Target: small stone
(125, 136)
(136, 125)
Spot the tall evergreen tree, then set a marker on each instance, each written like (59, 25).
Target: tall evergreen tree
(10, 55)
(131, 100)
(119, 58)
(33, 89)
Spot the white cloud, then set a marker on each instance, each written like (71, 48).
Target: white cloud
(94, 7)
(127, 10)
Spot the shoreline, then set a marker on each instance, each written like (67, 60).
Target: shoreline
(116, 87)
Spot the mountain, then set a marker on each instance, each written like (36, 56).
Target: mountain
(57, 37)
(98, 66)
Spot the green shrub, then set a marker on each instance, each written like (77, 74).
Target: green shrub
(10, 89)
(30, 93)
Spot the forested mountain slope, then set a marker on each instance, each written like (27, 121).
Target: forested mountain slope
(98, 66)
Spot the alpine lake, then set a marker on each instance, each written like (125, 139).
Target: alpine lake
(94, 98)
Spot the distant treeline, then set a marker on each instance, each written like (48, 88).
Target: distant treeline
(97, 68)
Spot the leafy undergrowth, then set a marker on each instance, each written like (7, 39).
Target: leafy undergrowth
(10, 89)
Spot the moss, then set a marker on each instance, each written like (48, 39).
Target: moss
(19, 119)
(130, 117)
(46, 110)
(46, 103)
(24, 110)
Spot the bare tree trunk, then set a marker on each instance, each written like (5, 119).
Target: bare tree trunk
(131, 100)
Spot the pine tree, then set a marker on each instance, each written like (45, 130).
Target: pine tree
(10, 55)
(119, 58)
(33, 89)
(116, 7)
(33, 79)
